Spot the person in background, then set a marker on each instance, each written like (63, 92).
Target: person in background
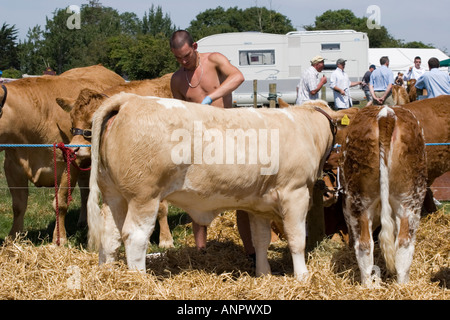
(416, 71)
(380, 84)
(365, 85)
(310, 82)
(207, 78)
(436, 82)
(340, 83)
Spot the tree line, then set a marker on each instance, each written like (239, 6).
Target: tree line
(138, 48)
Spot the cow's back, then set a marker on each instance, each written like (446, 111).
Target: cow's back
(158, 87)
(98, 75)
(434, 117)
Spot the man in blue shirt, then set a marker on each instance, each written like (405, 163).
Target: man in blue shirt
(380, 85)
(435, 81)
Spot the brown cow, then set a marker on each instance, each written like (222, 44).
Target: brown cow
(434, 117)
(411, 90)
(383, 173)
(31, 116)
(399, 95)
(81, 112)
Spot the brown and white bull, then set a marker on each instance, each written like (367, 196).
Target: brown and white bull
(384, 180)
(30, 115)
(81, 111)
(148, 149)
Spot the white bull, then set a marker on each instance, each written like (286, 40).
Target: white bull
(146, 149)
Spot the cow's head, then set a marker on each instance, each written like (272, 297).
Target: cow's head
(342, 118)
(81, 112)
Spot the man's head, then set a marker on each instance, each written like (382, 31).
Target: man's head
(433, 63)
(318, 63)
(340, 63)
(384, 61)
(184, 49)
(417, 62)
(372, 67)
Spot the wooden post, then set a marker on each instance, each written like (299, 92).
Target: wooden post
(255, 93)
(272, 95)
(315, 219)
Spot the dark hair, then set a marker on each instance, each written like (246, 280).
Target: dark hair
(383, 60)
(433, 63)
(417, 57)
(180, 38)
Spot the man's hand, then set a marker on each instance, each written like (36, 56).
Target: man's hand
(207, 100)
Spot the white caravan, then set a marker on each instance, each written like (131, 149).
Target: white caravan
(280, 59)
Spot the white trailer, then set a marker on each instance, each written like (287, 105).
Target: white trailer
(280, 59)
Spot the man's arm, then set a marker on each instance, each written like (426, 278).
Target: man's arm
(233, 77)
(320, 85)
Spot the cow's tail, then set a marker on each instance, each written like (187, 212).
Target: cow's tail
(386, 126)
(95, 219)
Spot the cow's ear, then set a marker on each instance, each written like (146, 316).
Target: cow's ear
(65, 104)
(282, 103)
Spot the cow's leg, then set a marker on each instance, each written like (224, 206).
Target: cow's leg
(165, 236)
(406, 228)
(110, 239)
(137, 228)
(18, 187)
(363, 245)
(83, 184)
(260, 229)
(63, 193)
(295, 208)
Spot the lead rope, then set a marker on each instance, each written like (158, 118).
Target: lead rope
(56, 195)
(69, 158)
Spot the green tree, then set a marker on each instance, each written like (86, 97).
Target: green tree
(346, 19)
(219, 20)
(8, 47)
(157, 23)
(31, 55)
(144, 57)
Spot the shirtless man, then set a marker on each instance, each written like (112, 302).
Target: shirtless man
(207, 78)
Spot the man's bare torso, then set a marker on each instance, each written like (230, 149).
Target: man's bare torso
(195, 85)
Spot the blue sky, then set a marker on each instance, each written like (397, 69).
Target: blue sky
(413, 20)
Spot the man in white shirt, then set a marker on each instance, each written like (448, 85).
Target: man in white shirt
(416, 71)
(340, 83)
(310, 81)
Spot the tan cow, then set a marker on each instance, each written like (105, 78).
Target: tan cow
(411, 90)
(82, 108)
(81, 112)
(383, 173)
(30, 115)
(148, 149)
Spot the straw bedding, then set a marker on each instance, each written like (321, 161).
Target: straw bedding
(222, 271)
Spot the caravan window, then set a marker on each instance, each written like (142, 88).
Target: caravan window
(331, 46)
(256, 57)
